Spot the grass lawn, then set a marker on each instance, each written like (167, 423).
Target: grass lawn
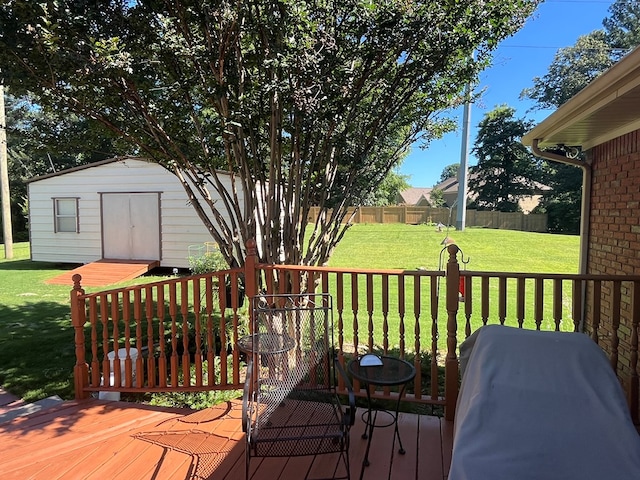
(36, 338)
(410, 247)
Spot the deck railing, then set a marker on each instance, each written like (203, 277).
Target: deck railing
(181, 334)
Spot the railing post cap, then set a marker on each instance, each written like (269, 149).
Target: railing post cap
(76, 278)
(453, 249)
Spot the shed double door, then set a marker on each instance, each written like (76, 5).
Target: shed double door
(131, 226)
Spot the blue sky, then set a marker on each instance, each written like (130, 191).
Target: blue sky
(520, 58)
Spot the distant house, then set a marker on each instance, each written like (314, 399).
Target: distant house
(415, 196)
(121, 208)
(449, 188)
(603, 121)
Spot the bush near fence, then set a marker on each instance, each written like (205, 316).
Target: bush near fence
(533, 222)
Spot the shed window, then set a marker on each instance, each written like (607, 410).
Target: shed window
(65, 211)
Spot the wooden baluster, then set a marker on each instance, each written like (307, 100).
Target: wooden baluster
(104, 319)
(484, 291)
(296, 282)
(184, 311)
(235, 296)
(401, 311)
(222, 293)
(148, 311)
(126, 318)
(520, 296)
(173, 313)
(95, 362)
(435, 301)
(634, 390)
(597, 311)
(615, 324)
(417, 363)
(577, 302)
(468, 303)
(340, 309)
(502, 299)
(137, 317)
(369, 287)
(198, 330)
(354, 309)
(385, 313)
(557, 303)
(211, 345)
(539, 302)
(117, 374)
(162, 358)
(339, 305)
(222, 332)
(596, 303)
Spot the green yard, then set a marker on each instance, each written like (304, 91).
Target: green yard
(36, 340)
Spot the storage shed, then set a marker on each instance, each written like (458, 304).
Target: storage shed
(120, 209)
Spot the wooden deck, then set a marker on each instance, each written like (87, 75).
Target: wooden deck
(96, 439)
(105, 272)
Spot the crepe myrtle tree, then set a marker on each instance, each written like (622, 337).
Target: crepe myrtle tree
(302, 103)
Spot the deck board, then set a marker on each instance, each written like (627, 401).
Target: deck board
(105, 272)
(94, 439)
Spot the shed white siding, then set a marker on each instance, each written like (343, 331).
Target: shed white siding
(180, 227)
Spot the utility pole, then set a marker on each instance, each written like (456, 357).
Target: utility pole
(461, 217)
(4, 182)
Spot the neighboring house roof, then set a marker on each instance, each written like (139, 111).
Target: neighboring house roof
(415, 196)
(447, 186)
(605, 109)
(449, 189)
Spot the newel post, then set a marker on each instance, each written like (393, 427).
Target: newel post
(451, 362)
(78, 319)
(251, 275)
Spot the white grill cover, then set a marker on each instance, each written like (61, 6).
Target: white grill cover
(540, 406)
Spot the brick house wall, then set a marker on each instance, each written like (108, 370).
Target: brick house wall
(614, 233)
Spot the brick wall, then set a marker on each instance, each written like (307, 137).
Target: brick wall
(614, 234)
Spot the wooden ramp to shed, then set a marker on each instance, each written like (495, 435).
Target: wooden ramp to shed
(105, 272)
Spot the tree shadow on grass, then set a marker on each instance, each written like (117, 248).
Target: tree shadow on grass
(37, 351)
(25, 265)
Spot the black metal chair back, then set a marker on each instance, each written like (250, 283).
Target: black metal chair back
(290, 403)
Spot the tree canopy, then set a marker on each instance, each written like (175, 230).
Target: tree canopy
(506, 170)
(302, 103)
(449, 171)
(623, 26)
(574, 67)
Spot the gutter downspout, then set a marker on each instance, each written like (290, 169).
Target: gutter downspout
(584, 210)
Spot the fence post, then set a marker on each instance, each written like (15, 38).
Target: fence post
(78, 319)
(451, 362)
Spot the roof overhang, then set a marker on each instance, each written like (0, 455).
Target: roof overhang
(605, 109)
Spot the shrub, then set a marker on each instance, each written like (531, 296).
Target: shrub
(197, 400)
(211, 261)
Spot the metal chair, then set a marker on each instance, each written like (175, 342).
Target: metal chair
(290, 402)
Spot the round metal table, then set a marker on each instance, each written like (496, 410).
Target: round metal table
(393, 371)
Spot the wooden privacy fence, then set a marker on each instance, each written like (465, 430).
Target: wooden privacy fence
(414, 215)
(181, 334)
